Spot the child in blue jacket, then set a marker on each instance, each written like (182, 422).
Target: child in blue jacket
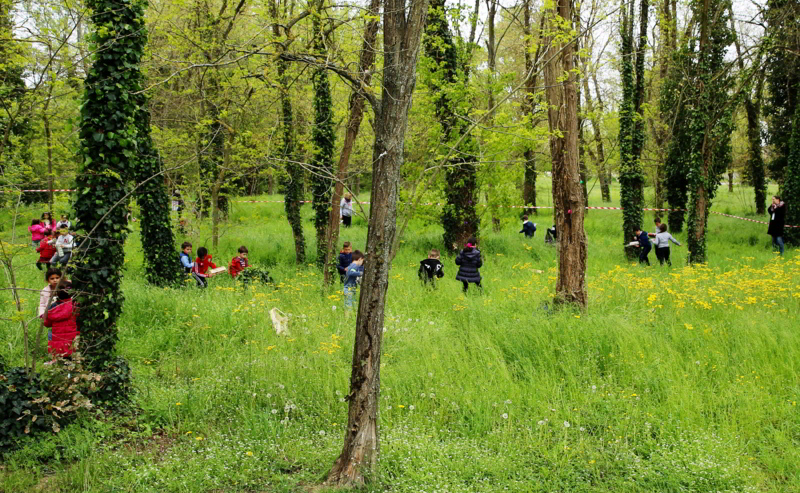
(354, 271)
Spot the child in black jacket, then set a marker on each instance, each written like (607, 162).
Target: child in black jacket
(431, 268)
(468, 262)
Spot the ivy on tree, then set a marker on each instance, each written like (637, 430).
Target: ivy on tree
(323, 139)
(108, 154)
(631, 127)
(448, 87)
(791, 185)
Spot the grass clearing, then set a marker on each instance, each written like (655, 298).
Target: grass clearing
(681, 379)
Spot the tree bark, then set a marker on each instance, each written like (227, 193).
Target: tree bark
(401, 45)
(48, 135)
(365, 65)
(600, 157)
(294, 188)
(531, 72)
(567, 195)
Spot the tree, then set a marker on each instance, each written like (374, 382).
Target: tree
(108, 154)
(568, 201)
(293, 197)
(447, 82)
(631, 127)
(783, 77)
(791, 185)
(529, 106)
(754, 84)
(322, 138)
(401, 38)
(158, 242)
(709, 119)
(365, 66)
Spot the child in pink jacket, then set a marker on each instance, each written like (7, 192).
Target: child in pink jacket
(38, 231)
(63, 319)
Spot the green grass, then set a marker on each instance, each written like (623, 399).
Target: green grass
(675, 380)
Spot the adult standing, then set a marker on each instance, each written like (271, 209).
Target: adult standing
(777, 219)
(346, 210)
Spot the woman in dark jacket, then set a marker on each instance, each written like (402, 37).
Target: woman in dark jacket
(777, 219)
(468, 262)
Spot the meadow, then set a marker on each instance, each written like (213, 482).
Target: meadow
(681, 379)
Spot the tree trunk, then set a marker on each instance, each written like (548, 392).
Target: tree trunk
(294, 188)
(48, 135)
(401, 44)
(567, 195)
(605, 181)
(215, 191)
(365, 65)
(491, 55)
(600, 157)
(531, 72)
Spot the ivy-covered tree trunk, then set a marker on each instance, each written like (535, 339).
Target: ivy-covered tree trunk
(158, 242)
(791, 185)
(631, 129)
(568, 201)
(108, 154)
(293, 196)
(709, 120)
(322, 138)
(459, 217)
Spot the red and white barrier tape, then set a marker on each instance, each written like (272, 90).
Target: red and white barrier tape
(484, 205)
(57, 190)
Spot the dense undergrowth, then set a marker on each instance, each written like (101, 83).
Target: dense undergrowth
(681, 379)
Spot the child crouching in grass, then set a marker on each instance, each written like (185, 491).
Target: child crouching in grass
(354, 271)
(431, 268)
(201, 266)
(62, 317)
(239, 262)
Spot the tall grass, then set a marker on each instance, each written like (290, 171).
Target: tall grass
(681, 379)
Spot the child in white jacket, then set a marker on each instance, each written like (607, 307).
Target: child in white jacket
(63, 245)
(661, 241)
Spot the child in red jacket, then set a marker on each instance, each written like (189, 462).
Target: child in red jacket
(239, 262)
(46, 251)
(201, 265)
(63, 320)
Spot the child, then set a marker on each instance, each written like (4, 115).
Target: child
(345, 259)
(63, 248)
(551, 235)
(201, 265)
(431, 268)
(346, 210)
(38, 231)
(644, 244)
(354, 271)
(528, 227)
(469, 261)
(64, 222)
(46, 251)
(52, 277)
(239, 262)
(662, 244)
(47, 221)
(62, 318)
(186, 257)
